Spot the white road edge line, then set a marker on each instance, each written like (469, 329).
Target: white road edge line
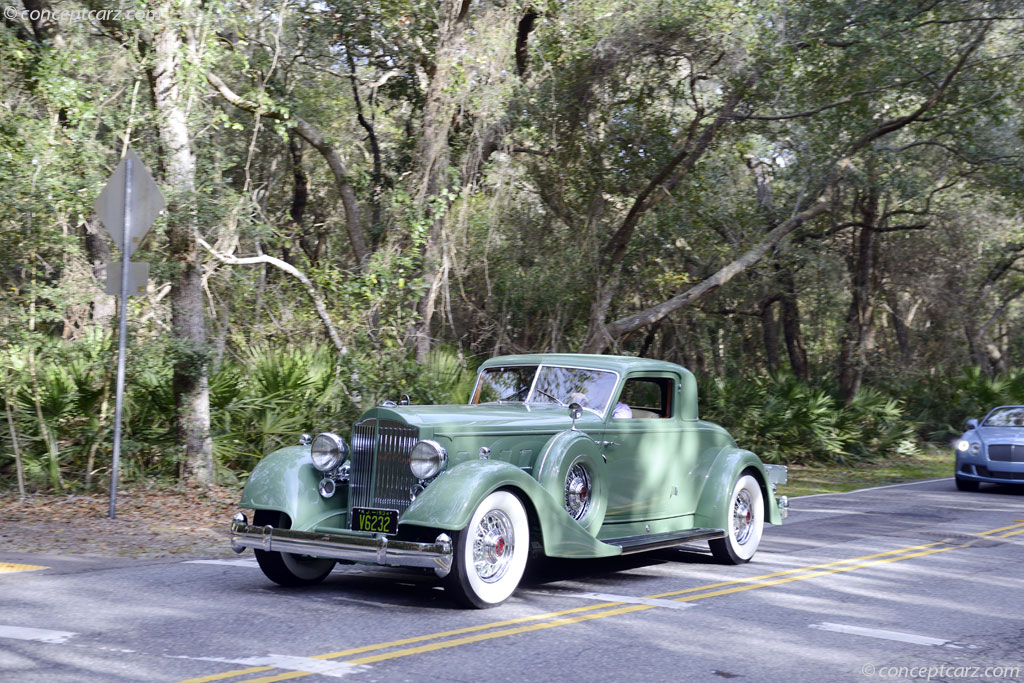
(245, 562)
(873, 488)
(38, 635)
(898, 636)
(288, 663)
(608, 597)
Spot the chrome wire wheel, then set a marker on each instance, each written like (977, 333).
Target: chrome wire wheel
(494, 545)
(578, 489)
(745, 523)
(490, 552)
(742, 517)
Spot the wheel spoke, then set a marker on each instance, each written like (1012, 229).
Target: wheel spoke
(493, 546)
(577, 491)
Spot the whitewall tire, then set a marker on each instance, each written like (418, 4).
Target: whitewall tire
(490, 553)
(745, 523)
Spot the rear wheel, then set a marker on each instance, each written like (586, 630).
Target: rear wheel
(490, 553)
(289, 569)
(966, 484)
(746, 523)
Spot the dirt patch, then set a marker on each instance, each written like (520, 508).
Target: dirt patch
(150, 522)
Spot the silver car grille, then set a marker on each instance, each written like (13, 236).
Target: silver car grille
(380, 476)
(1006, 452)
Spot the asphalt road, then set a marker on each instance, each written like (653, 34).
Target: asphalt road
(912, 582)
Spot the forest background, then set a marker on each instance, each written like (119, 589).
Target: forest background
(815, 205)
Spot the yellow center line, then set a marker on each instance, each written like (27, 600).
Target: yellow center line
(407, 641)
(11, 567)
(755, 580)
(702, 592)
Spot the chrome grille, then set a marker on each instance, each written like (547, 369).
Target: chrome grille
(361, 477)
(380, 475)
(1006, 452)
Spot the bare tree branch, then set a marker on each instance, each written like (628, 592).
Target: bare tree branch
(724, 274)
(356, 234)
(317, 300)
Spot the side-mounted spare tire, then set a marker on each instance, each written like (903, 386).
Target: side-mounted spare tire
(573, 471)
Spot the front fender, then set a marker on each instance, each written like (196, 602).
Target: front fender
(450, 500)
(286, 481)
(726, 466)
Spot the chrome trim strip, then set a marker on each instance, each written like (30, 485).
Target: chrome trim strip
(367, 549)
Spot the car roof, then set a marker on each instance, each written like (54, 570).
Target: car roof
(620, 364)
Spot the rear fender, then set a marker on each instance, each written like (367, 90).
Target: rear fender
(450, 500)
(725, 466)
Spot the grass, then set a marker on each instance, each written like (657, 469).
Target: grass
(934, 463)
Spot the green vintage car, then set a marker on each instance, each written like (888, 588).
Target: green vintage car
(565, 455)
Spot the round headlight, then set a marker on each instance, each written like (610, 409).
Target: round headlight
(962, 445)
(329, 451)
(427, 459)
(975, 448)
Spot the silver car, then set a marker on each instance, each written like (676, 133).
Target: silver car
(992, 450)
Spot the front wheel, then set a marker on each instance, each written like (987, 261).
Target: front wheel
(746, 523)
(490, 553)
(966, 484)
(288, 569)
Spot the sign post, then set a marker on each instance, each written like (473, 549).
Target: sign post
(127, 207)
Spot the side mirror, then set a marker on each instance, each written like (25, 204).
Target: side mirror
(972, 424)
(575, 413)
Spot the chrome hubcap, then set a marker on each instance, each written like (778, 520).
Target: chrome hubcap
(493, 546)
(742, 517)
(577, 491)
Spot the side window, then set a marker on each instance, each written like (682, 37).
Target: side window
(645, 398)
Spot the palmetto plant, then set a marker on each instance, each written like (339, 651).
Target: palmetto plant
(784, 420)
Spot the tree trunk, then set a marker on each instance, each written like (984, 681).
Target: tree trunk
(858, 339)
(97, 248)
(770, 332)
(900, 328)
(190, 379)
(791, 330)
(432, 160)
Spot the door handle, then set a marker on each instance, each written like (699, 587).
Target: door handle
(609, 443)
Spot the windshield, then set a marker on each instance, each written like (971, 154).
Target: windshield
(1005, 417)
(500, 385)
(546, 384)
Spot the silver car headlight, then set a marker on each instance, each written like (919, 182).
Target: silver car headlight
(963, 445)
(426, 459)
(329, 451)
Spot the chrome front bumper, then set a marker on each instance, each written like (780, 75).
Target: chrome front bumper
(367, 549)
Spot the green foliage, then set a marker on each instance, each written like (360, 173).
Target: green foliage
(551, 137)
(944, 403)
(787, 421)
(261, 400)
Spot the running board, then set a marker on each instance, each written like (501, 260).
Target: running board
(640, 544)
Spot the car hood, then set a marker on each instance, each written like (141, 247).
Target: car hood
(486, 418)
(1000, 434)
